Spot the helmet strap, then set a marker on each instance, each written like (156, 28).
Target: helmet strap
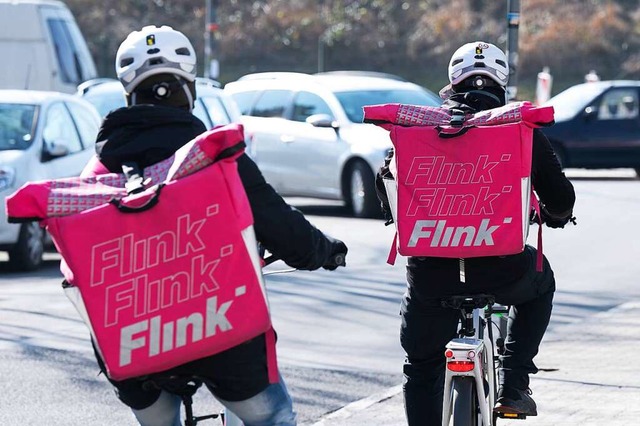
(189, 95)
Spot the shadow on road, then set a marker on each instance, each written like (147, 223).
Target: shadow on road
(319, 207)
(322, 210)
(601, 174)
(49, 268)
(604, 178)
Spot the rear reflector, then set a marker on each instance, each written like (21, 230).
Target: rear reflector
(460, 366)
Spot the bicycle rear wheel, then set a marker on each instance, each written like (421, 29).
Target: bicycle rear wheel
(465, 402)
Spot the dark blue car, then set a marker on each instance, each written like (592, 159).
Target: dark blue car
(597, 125)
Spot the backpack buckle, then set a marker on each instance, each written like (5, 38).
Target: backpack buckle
(457, 118)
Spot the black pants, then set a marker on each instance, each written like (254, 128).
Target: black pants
(427, 328)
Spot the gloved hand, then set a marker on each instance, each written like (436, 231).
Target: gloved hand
(338, 255)
(555, 221)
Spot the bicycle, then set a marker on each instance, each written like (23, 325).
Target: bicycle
(186, 387)
(470, 389)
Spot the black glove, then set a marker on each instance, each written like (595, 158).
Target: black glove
(555, 221)
(338, 255)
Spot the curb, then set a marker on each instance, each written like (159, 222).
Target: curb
(359, 405)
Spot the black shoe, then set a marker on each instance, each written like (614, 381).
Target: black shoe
(515, 401)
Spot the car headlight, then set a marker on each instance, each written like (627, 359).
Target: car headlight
(7, 177)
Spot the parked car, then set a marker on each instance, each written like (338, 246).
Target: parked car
(43, 135)
(213, 106)
(597, 125)
(306, 134)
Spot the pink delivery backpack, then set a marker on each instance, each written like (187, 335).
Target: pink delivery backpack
(164, 276)
(462, 181)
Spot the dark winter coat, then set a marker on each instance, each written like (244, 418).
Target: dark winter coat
(148, 134)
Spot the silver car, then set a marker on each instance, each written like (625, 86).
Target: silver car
(306, 134)
(43, 135)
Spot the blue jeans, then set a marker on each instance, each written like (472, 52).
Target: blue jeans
(271, 407)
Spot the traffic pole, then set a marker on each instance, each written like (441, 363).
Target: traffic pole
(513, 23)
(211, 65)
(543, 86)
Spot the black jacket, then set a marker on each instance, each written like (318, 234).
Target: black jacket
(441, 275)
(147, 134)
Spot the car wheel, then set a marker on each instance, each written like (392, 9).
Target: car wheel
(361, 195)
(26, 254)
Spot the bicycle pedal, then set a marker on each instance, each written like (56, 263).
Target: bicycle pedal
(513, 416)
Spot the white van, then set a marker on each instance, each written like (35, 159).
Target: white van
(42, 47)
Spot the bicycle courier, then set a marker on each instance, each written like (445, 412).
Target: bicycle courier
(461, 184)
(166, 275)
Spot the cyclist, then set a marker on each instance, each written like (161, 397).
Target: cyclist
(478, 80)
(157, 67)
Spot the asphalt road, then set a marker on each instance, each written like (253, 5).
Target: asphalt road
(46, 360)
(337, 330)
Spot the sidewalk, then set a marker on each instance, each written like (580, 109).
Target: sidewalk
(590, 376)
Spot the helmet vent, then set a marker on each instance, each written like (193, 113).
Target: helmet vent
(479, 57)
(456, 61)
(126, 61)
(183, 51)
(501, 62)
(152, 51)
(156, 61)
(479, 65)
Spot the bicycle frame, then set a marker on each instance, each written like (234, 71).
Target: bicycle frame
(472, 356)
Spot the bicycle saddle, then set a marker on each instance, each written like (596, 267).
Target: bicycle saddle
(472, 301)
(178, 385)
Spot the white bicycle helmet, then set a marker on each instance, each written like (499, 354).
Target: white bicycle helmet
(479, 58)
(154, 50)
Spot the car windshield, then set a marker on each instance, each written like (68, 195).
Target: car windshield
(353, 101)
(568, 103)
(16, 126)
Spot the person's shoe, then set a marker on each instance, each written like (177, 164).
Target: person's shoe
(515, 401)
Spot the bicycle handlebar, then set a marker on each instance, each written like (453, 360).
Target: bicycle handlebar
(544, 218)
(338, 259)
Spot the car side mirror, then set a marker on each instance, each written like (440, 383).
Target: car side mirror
(323, 120)
(55, 149)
